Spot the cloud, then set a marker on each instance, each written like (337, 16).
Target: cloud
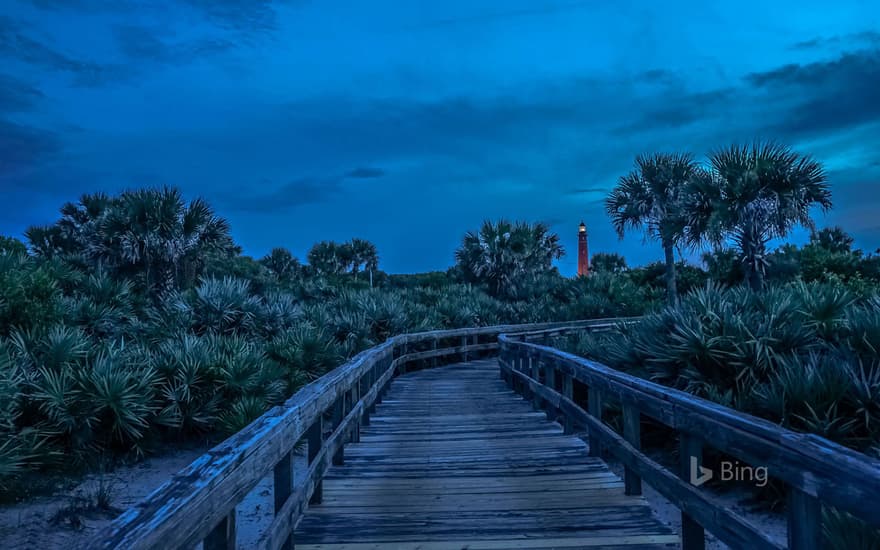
(502, 15)
(824, 95)
(22, 146)
(139, 43)
(366, 173)
(16, 95)
(588, 190)
(15, 44)
(85, 6)
(675, 109)
(243, 16)
(301, 191)
(859, 38)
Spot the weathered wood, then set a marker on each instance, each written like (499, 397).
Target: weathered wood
(222, 537)
(690, 452)
(339, 412)
(315, 442)
(424, 487)
(283, 488)
(596, 408)
(804, 521)
(549, 380)
(567, 391)
(729, 527)
(286, 520)
(354, 396)
(836, 475)
(184, 510)
(632, 433)
(187, 509)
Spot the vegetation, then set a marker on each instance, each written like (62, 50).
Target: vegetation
(136, 320)
(751, 195)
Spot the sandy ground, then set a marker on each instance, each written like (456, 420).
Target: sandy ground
(30, 525)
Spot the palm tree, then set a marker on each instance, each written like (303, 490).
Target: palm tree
(652, 197)
(281, 262)
(326, 257)
(148, 233)
(364, 254)
(752, 194)
(504, 255)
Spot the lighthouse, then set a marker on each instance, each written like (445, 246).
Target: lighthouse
(583, 252)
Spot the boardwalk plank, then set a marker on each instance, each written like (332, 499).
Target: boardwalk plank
(452, 459)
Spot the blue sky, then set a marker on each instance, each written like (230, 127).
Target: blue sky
(408, 122)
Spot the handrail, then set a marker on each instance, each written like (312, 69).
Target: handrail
(198, 503)
(815, 470)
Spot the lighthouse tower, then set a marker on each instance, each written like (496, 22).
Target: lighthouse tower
(583, 252)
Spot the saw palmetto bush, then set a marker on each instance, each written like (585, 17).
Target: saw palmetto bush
(804, 355)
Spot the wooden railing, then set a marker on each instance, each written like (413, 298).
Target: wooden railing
(198, 504)
(816, 472)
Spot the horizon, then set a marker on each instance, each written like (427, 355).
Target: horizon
(300, 125)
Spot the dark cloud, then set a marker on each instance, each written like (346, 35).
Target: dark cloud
(673, 110)
(824, 95)
(366, 173)
(23, 146)
(246, 16)
(140, 43)
(860, 38)
(236, 15)
(501, 15)
(16, 44)
(296, 193)
(588, 190)
(306, 190)
(85, 6)
(17, 95)
(660, 76)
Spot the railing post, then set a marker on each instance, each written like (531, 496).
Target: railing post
(315, 440)
(222, 537)
(534, 374)
(338, 415)
(283, 487)
(804, 520)
(434, 348)
(464, 351)
(402, 365)
(355, 392)
(632, 433)
(693, 537)
(595, 408)
(550, 382)
(568, 393)
(366, 385)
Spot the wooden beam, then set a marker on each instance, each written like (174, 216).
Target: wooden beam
(315, 442)
(283, 488)
(632, 429)
(596, 407)
(690, 453)
(710, 512)
(222, 536)
(804, 515)
(338, 415)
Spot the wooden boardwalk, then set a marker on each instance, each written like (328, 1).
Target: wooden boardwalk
(453, 459)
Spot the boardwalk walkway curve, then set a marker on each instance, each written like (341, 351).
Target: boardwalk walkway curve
(425, 442)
